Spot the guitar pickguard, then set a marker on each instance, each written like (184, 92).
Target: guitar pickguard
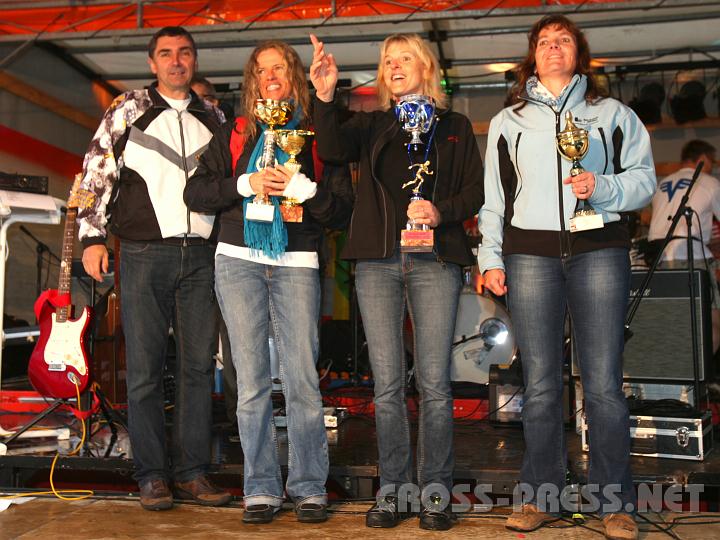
(64, 346)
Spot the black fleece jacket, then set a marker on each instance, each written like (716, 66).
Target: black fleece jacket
(458, 191)
(213, 188)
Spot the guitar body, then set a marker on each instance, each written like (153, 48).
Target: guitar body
(60, 355)
(59, 365)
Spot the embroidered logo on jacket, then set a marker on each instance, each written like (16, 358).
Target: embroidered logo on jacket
(668, 187)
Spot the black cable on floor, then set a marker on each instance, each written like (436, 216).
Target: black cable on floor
(666, 530)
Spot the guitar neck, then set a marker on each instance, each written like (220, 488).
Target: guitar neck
(62, 313)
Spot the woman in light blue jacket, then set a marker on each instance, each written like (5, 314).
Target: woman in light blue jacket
(548, 259)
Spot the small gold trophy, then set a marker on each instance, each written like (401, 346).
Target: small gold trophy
(273, 113)
(292, 142)
(573, 143)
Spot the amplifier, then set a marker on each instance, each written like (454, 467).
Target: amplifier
(661, 347)
(24, 182)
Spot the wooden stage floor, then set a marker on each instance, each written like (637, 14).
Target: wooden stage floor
(120, 519)
(485, 454)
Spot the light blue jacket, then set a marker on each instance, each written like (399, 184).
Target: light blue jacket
(527, 207)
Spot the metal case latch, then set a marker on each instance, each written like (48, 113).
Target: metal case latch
(682, 434)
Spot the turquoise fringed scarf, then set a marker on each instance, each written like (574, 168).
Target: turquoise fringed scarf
(270, 238)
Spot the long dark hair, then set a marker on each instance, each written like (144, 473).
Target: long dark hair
(527, 68)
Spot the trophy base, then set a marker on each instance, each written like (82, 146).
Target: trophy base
(586, 222)
(291, 213)
(412, 241)
(260, 212)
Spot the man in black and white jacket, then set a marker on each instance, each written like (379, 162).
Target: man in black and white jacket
(138, 162)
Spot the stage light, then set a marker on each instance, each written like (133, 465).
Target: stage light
(648, 103)
(688, 104)
(493, 332)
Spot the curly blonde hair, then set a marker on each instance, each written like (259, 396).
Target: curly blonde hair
(251, 83)
(421, 49)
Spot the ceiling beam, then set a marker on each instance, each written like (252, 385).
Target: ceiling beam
(649, 56)
(50, 103)
(372, 38)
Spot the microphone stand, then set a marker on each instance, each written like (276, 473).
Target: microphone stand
(40, 248)
(687, 212)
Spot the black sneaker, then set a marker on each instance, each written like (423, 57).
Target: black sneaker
(384, 514)
(435, 517)
(259, 513)
(309, 512)
(437, 520)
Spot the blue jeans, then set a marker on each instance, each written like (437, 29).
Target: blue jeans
(431, 290)
(162, 286)
(595, 288)
(252, 296)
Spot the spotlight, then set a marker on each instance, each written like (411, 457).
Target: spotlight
(648, 103)
(493, 332)
(688, 104)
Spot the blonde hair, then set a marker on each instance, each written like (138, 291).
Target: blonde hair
(431, 77)
(295, 74)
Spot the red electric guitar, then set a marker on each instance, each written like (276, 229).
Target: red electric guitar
(59, 361)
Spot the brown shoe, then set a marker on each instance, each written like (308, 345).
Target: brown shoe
(620, 527)
(528, 519)
(155, 495)
(202, 491)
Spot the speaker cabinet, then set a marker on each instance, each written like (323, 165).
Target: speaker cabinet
(661, 347)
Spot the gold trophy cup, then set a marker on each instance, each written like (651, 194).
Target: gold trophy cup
(292, 141)
(573, 143)
(273, 113)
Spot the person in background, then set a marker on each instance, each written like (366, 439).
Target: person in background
(267, 274)
(137, 165)
(389, 281)
(205, 90)
(529, 253)
(705, 201)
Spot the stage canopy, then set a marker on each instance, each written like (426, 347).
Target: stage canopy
(477, 41)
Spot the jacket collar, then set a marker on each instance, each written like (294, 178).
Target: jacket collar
(158, 101)
(575, 95)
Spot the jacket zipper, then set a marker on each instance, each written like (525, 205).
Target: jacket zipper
(184, 162)
(564, 238)
(561, 205)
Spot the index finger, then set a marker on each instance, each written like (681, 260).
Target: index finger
(282, 168)
(317, 44)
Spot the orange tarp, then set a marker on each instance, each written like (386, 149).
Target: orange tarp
(124, 15)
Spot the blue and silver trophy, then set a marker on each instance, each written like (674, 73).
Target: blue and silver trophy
(416, 114)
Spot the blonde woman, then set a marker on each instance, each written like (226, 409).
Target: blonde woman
(388, 281)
